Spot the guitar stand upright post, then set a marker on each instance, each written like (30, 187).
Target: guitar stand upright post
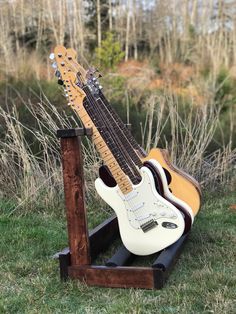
(76, 262)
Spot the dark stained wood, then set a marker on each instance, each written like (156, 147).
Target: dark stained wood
(66, 133)
(75, 261)
(75, 200)
(159, 278)
(64, 262)
(122, 277)
(102, 236)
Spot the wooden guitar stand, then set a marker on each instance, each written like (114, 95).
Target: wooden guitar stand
(76, 261)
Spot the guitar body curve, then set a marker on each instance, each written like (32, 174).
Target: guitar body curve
(182, 185)
(160, 176)
(147, 222)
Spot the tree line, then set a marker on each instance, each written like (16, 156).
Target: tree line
(189, 31)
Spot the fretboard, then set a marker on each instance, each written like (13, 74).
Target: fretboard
(126, 134)
(111, 137)
(109, 159)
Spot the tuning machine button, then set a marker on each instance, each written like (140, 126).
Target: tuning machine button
(54, 65)
(51, 56)
(60, 82)
(58, 73)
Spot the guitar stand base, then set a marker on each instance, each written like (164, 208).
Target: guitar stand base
(77, 261)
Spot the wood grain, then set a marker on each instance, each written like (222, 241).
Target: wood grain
(122, 277)
(75, 200)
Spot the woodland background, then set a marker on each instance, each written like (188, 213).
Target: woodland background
(169, 69)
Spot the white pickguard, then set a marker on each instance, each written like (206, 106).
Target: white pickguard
(137, 208)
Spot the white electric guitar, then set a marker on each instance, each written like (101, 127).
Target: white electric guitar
(147, 221)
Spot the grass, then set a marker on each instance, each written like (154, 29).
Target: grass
(203, 280)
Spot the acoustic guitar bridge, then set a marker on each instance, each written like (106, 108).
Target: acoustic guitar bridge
(149, 225)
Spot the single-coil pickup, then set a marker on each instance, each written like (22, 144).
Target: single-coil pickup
(142, 217)
(137, 207)
(130, 196)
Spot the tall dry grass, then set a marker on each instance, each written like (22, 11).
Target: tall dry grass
(33, 181)
(192, 130)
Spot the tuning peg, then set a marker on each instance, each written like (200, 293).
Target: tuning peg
(51, 56)
(54, 65)
(100, 87)
(60, 82)
(58, 74)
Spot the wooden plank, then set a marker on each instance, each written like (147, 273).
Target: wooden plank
(75, 200)
(117, 277)
(67, 133)
(64, 263)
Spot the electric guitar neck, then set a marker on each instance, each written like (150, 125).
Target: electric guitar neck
(78, 101)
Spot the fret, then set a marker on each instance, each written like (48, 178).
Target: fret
(100, 145)
(93, 111)
(86, 119)
(116, 169)
(107, 158)
(118, 130)
(105, 152)
(132, 142)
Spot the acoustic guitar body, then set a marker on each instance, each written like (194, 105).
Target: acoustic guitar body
(182, 185)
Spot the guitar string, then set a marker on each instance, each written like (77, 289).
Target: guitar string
(132, 206)
(122, 151)
(130, 202)
(179, 207)
(110, 142)
(113, 134)
(115, 121)
(125, 131)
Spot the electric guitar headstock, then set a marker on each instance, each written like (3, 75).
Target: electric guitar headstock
(73, 76)
(68, 77)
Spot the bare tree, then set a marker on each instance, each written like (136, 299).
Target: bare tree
(99, 33)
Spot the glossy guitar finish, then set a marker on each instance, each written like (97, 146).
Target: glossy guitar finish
(148, 223)
(150, 217)
(183, 186)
